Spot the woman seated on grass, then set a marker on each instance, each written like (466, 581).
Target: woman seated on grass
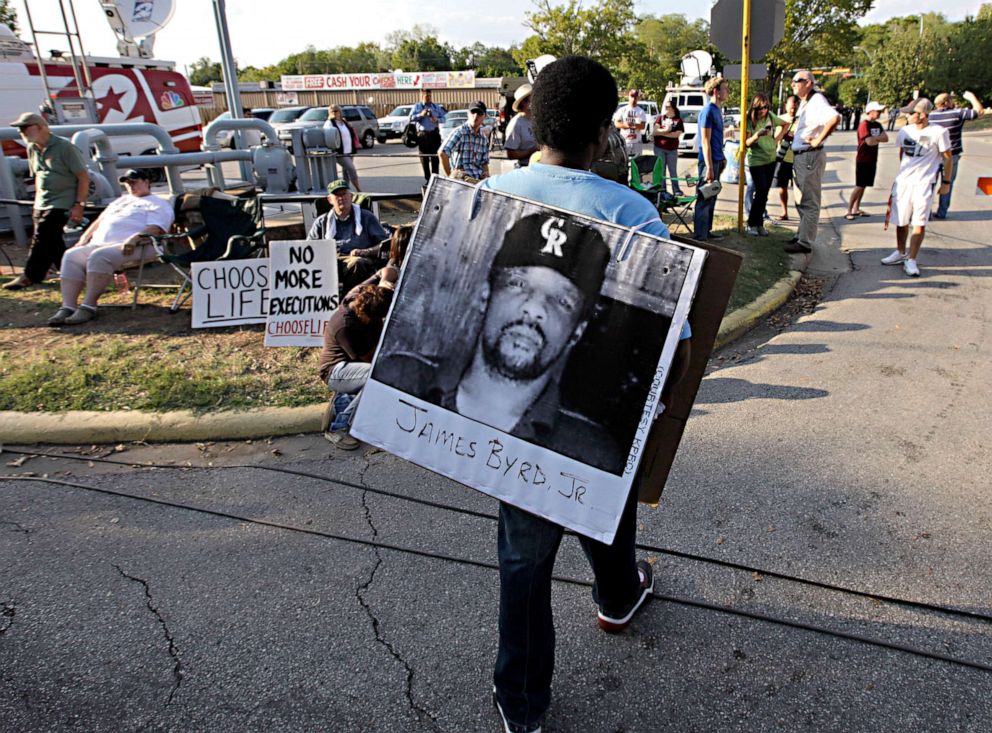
(117, 239)
(350, 339)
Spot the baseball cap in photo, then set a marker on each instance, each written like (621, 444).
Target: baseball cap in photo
(27, 119)
(478, 106)
(546, 240)
(133, 174)
(874, 107)
(337, 184)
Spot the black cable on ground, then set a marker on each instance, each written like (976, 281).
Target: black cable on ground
(492, 566)
(902, 602)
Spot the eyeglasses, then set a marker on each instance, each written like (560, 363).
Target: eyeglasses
(800, 81)
(762, 106)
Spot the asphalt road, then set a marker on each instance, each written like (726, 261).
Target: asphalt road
(851, 449)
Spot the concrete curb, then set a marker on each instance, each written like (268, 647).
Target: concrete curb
(83, 427)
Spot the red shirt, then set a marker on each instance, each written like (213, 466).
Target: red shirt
(667, 124)
(868, 153)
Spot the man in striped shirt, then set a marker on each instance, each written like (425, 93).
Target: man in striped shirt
(466, 154)
(953, 118)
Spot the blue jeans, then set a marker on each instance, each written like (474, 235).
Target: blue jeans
(527, 548)
(944, 202)
(348, 377)
(702, 215)
(671, 169)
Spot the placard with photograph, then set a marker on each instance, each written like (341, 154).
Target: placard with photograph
(526, 350)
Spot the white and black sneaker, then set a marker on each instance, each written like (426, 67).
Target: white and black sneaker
(910, 268)
(509, 727)
(895, 258)
(612, 624)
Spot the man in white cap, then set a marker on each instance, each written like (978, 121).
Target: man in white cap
(61, 185)
(521, 142)
(922, 147)
(870, 134)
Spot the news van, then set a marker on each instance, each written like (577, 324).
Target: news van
(125, 89)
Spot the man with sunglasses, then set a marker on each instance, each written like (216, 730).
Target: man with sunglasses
(817, 119)
(61, 186)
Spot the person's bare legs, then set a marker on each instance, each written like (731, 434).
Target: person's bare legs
(901, 234)
(783, 194)
(855, 204)
(915, 241)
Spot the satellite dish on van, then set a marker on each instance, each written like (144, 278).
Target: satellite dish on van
(695, 66)
(138, 18)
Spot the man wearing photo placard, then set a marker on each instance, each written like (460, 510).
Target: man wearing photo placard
(573, 103)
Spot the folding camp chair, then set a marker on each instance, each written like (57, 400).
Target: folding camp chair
(217, 226)
(678, 206)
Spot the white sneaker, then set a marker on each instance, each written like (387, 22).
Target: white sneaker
(751, 231)
(896, 258)
(910, 268)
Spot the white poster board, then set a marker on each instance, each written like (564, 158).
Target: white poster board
(230, 293)
(303, 291)
(522, 358)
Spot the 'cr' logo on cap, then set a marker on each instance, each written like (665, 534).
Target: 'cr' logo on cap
(553, 237)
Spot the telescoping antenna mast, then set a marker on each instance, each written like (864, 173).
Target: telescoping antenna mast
(80, 72)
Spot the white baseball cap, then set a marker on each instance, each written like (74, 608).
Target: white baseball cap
(874, 107)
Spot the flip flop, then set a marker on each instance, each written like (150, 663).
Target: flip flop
(850, 217)
(781, 218)
(863, 213)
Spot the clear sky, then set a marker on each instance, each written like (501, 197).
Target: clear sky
(262, 33)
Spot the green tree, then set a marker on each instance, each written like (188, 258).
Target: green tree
(852, 92)
(8, 16)
(427, 54)
(603, 31)
(894, 75)
(203, 71)
(665, 39)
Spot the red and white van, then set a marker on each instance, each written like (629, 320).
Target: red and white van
(125, 90)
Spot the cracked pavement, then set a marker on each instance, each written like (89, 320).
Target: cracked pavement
(849, 447)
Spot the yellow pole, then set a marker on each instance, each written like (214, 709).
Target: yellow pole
(745, 78)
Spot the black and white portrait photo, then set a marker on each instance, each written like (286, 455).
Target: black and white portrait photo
(526, 347)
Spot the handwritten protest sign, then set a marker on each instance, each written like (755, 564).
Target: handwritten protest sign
(303, 292)
(526, 351)
(230, 293)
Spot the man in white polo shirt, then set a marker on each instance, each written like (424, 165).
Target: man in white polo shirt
(817, 119)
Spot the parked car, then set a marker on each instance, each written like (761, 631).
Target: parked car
(359, 116)
(262, 113)
(650, 108)
(393, 124)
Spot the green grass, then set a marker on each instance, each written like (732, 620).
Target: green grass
(764, 263)
(149, 359)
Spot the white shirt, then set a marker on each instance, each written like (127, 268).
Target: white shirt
(922, 152)
(632, 116)
(128, 215)
(814, 114)
(346, 143)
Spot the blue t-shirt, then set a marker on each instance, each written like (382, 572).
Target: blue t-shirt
(712, 117)
(585, 193)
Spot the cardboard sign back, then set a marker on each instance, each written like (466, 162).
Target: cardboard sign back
(715, 284)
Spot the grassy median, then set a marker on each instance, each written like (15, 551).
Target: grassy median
(150, 359)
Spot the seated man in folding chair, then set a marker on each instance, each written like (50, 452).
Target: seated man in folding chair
(356, 232)
(117, 239)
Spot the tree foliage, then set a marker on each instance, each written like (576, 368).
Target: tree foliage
(203, 71)
(8, 16)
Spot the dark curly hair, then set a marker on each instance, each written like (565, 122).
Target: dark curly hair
(573, 99)
(370, 303)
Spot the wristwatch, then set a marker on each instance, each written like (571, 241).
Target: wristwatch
(80, 203)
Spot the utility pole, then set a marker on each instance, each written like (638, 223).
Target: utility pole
(230, 77)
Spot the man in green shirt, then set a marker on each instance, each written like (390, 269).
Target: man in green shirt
(61, 186)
